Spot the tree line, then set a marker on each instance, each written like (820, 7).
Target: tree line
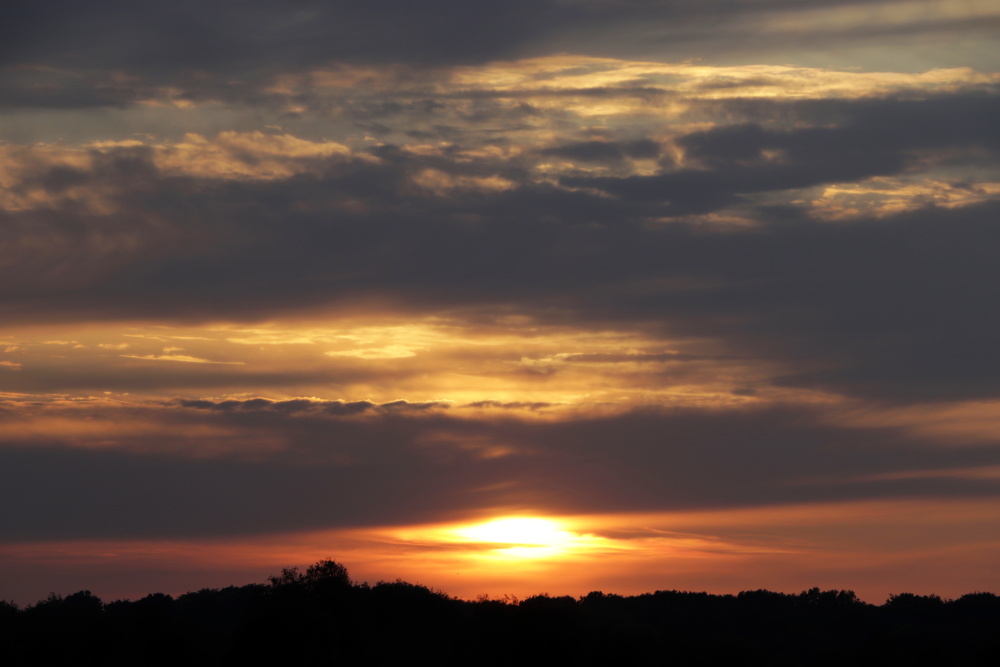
(320, 616)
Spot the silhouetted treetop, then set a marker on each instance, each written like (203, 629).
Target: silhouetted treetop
(322, 575)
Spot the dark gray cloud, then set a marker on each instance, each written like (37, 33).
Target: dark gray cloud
(605, 151)
(867, 127)
(331, 471)
(292, 406)
(876, 138)
(260, 37)
(37, 86)
(99, 375)
(87, 48)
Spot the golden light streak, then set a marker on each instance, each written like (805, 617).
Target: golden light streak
(244, 155)
(387, 352)
(441, 184)
(883, 196)
(481, 365)
(177, 357)
(693, 81)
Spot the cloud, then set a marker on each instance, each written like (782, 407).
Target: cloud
(309, 406)
(879, 138)
(248, 38)
(605, 151)
(251, 155)
(177, 357)
(627, 358)
(886, 306)
(388, 352)
(509, 405)
(305, 468)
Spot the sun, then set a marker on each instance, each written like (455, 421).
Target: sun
(515, 541)
(520, 537)
(524, 531)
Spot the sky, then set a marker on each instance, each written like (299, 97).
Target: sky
(500, 298)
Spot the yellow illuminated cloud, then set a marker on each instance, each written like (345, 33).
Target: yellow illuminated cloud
(441, 183)
(250, 155)
(540, 77)
(387, 352)
(883, 196)
(515, 364)
(177, 357)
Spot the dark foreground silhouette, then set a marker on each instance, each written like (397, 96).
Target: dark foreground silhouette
(321, 617)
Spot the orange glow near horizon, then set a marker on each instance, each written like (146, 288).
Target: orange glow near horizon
(875, 548)
(510, 371)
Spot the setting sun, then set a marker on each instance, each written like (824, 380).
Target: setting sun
(525, 537)
(517, 530)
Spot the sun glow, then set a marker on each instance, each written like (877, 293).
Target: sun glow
(516, 530)
(525, 537)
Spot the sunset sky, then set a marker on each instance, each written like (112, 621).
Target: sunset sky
(502, 297)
